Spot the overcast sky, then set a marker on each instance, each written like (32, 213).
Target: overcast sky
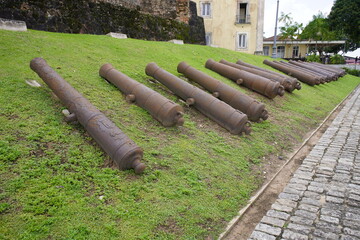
(301, 11)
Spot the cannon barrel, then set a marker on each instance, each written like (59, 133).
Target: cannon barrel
(162, 109)
(294, 81)
(124, 152)
(226, 116)
(329, 75)
(252, 108)
(323, 79)
(259, 84)
(330, 68)
(304, 77)
(328, 71)
(287, 84)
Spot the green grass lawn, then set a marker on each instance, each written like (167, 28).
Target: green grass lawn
(55, 182)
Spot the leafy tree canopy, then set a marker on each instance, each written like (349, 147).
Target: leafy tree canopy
(318, 29)
(345, 18)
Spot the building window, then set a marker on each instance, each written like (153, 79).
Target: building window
(208, 38)
(295, 52)
(205, 9)
(242, 15)
(280, 51)
(242, 40)
(266, 50)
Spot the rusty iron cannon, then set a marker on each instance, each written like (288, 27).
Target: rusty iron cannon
(162, 109)
(314, 66)
(321, 77)
(341, 72)
(286, 83)
(329, 75)
(259, 84)
(231, 119)
(304, 77)
(252, 108)
(294, 82)
(122, 150)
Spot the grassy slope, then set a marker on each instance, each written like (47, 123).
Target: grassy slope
(198, 176)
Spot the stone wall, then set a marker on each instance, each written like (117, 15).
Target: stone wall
(173, 9)
(99, 17)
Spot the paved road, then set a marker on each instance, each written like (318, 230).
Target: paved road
(322, 200)
(352, 66)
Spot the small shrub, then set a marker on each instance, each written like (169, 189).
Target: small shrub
(337, 59)
(355, 72)
(313, 58)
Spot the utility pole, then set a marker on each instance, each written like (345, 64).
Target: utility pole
(274, 53)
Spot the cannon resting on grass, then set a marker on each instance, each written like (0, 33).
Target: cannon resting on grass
(226, 116)
(252, 81)
(302, 76)
(340, 72)
(162, 109)
(252, 108)
(122, 150)
(322, 78)
(327, 74)
(283, 81)
(295, 84)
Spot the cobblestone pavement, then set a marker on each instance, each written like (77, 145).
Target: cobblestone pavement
(322, 200)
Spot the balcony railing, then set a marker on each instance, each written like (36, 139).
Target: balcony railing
(242, 19)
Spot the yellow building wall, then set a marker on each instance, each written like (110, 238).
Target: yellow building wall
(223, 27)
(303, 49)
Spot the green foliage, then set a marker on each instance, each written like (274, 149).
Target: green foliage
(345, 18)
(313, 58)
(318, 29)
(291, 30)
(355, 72)
(337, 59)
(55, 182)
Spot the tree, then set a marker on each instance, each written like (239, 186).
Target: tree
(291, 30)
(318, 29)
(345, 18)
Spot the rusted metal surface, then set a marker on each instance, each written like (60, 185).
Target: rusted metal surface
(336, 75)
(304, 77)
(341, 72)
(294, 82)
(329, 75)
(122, 150)
(315, 74)
(286, 83)
(226, 116)
(254, 82)
(252, 108)
(162, 109)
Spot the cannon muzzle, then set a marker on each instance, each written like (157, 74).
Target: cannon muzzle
(162, 109)
(252, 108)
(226, 116)
(122, 150)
